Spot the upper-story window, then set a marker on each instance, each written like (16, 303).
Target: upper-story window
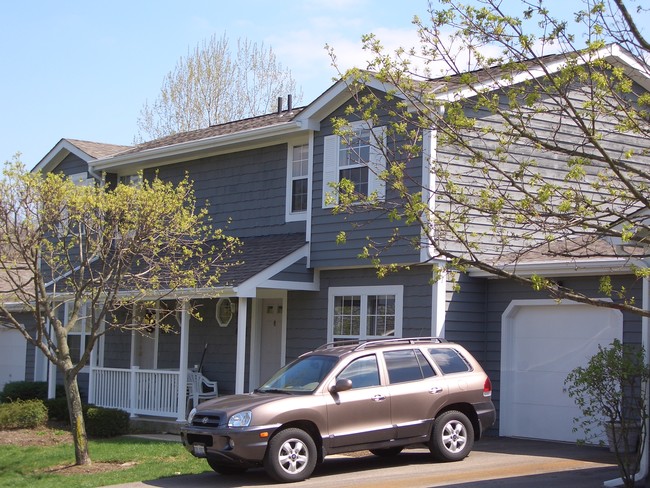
(130, 179)
(298, 182)
(357, 157)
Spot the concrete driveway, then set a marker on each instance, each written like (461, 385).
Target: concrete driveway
(494, 463)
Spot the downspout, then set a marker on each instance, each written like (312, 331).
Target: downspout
(645, 338)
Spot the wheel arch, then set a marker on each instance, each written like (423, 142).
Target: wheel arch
(469, 412)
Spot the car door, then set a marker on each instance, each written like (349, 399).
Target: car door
(362, 414)
(416, 392)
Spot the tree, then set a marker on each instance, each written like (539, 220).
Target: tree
(97, 252)
(215, 84)
(542, 140)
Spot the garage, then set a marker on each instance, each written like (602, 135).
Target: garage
(12, 356)
(542, 341)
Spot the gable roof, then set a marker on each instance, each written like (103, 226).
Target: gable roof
(86, 150)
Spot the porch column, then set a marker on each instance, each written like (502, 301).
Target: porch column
(240, 368)
(182, 370)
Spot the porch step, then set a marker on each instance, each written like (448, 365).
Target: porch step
(154, 425)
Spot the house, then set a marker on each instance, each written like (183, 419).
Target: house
(298, 287)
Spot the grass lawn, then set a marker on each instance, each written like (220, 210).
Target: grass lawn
(118, 460)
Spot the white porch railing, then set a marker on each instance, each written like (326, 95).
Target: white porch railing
(136, 391)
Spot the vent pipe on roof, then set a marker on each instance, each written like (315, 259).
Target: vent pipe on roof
(279, 104)
(289, 103)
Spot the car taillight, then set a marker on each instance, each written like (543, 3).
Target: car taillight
(487, 387)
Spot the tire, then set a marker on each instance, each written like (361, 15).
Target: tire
(225, 469)
(291, 456)
(387, 451)
(452, 438)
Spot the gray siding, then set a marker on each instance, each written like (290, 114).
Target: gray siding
(71, 165)
(360, 226)
(296, 272)
(248, 187)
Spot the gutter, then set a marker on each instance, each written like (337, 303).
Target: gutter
(183, 150)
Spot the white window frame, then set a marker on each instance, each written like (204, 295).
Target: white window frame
(82, 329)
(364, 292)
(332, 164)
(79, 179)
(291, 216)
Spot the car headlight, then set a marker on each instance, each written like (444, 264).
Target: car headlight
(241, 419)
(190, 417)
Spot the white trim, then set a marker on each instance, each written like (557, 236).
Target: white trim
(429, 146)
(364, 292)
(183, 362)
(58, 153)
(249, 287)
(302, 215)
(240, 361)
(439, 306)
(589, 267)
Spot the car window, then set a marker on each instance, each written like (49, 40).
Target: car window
(363, 372)
(300, 376)
(407, 365)
(449, 360)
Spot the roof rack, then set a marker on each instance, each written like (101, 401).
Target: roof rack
(363, 344)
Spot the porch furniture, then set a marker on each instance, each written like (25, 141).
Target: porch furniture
(200, 388)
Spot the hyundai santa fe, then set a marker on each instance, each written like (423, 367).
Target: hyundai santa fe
(381, 396)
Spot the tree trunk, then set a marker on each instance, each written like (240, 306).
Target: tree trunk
(76, 419)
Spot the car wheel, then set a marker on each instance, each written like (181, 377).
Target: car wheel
(290, 456)
(226, 469)
(453, 436)
(387, 451)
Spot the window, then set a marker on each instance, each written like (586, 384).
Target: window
(407, 365)
(297, 182)
(79, 334)
(363, 372)
(130, 179)
(356, 157)
(365, 312)
(449, 361)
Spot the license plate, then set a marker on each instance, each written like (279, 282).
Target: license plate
(199, 450)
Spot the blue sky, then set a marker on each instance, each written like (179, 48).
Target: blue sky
(83, 69)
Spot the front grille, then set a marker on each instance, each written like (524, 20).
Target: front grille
(207, 420)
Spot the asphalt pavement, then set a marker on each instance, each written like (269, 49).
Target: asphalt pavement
(495, 462)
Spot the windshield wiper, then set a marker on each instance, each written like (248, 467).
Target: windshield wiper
(272, 390)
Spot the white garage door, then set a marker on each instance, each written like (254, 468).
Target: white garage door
(12, 356)
(541, 344)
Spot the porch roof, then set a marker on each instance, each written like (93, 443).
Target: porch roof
(259, 254)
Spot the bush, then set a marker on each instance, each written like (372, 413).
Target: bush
(106, 422)
(27, 390)
(57, 409)
(23, 414)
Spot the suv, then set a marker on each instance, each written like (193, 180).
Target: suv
(380, 395)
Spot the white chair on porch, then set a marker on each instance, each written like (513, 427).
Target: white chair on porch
(200, 388)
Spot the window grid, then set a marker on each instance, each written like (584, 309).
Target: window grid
(299, 177)
(378, 312)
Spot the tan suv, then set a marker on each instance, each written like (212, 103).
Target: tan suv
(380, 395)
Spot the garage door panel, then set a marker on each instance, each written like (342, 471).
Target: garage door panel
(12, 356)
(541, 344)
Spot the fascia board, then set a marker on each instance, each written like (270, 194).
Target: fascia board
(57, 154)
(248, 287)
(592, 267)
(614, 54)
(184, 150)
(335, 96)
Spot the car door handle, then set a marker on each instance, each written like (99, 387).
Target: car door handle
(378, 398)
(435, 389)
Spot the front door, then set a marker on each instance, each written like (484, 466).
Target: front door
(270, 338)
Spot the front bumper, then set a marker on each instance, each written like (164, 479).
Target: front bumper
(242, 446)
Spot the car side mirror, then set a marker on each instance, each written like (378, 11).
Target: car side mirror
(342, 384)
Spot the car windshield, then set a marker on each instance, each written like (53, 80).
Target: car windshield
(300, 376)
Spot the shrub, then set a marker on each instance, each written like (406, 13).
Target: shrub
(57, 409)
(106, 422)
(23, 414)
(27, 390)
